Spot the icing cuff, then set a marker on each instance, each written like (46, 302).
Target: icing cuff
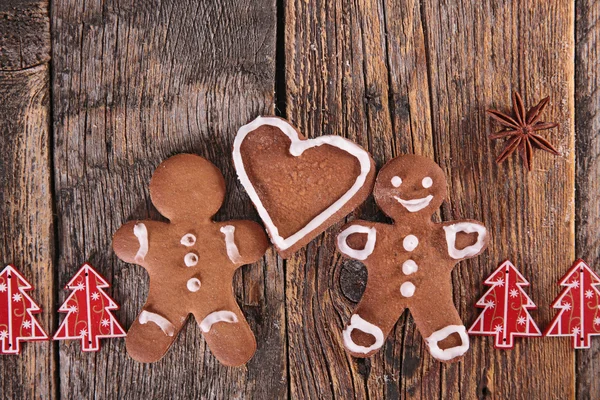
(232, 250)
(466, 227)
(356, 322)
(217, 316)
(452, 352)
(164, 324)
(357, 254)
(141, 233)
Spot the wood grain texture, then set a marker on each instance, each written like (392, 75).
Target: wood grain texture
(24, 34)
(347, 75)
(479, 54)
(134, 83)
(26, 191)
(587, 127)
(409, 78)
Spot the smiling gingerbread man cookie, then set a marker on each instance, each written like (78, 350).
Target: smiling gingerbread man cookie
(191, 261)
(409, 263)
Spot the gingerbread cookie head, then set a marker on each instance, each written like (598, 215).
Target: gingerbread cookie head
(187, 186)
(191, 261)
(410, 185)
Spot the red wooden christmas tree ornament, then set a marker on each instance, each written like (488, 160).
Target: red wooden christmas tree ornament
(579, 305)
(17, 309)
(88, 309)
(505, 307)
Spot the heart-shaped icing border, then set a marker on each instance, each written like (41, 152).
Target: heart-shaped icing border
(297, 147)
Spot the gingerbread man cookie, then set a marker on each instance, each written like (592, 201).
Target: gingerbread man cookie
(409, 263)
(191, 261)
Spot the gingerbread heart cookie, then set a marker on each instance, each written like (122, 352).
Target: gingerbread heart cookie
(410, 262)
(191, 261)
(299, 186)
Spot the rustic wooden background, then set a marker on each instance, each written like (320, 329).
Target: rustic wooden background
(94, 94)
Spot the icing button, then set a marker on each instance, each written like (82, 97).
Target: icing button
(188, 240)
(409, 267)
(193, 284)
(407, 289)
(410, 243)
(190, 259)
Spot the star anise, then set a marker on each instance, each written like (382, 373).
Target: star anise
(521, 130)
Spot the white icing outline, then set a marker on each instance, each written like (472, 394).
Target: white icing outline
(297, 147)
(467, 227)
(232, 250)
(415, 204)
(164, 324)
(353, 253)
(408, 242)
(188, 243)
(409, 267)
(193, 284)
(427, 182)
(141, 233)
(357, 322)
(407, 289)
(189, 262)
(396, 181)
(452, 352)
(217, 316)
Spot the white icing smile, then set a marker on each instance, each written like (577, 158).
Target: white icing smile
(416, 204)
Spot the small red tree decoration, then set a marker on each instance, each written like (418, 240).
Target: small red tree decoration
(88, 309)
(505, 307)
(579, 305)
(17, 323)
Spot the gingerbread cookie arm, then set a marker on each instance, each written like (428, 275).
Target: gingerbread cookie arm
(227, 333)
(439, 323)
(372, 321)
(245, 241)
(458, 244)
(357, 240)
(131, 242)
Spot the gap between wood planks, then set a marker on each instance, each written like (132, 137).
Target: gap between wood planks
(281, 111)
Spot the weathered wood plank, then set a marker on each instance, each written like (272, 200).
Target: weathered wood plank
(24, 34)
(25, 176)
(347, 75)
(136, 82)
(587, 127)
(478, 54)
(408, 78)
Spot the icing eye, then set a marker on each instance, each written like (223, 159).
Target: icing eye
(190, 259)
(188, 240)
(427, 182)
(396, 181)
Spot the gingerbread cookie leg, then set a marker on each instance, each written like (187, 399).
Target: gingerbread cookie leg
(153, 332)
(371, 322)
(440, 325)
(228, 335)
